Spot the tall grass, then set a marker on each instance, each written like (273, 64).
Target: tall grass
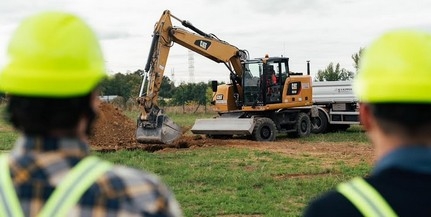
(7, 134)
(353, 134)
(222, 181)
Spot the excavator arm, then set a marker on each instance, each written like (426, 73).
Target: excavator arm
(153, 125)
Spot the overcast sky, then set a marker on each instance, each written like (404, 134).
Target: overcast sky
(321, 31)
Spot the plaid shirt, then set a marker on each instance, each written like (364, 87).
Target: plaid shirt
(39, 164)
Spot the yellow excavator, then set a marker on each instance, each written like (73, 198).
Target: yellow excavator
(264, 97)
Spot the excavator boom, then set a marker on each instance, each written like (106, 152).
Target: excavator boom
(153, 126)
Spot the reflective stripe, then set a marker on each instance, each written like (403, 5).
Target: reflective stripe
(76, 182)
(9, 203)
(66, 194)
(366, 199)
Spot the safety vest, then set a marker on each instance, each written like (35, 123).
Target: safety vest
(366, 198)
(65, 195)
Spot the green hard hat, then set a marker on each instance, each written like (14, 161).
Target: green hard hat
(53, 54)
(396, 68)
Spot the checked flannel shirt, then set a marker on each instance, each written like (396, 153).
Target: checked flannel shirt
(38, 164)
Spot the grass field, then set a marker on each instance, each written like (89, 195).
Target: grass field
(227, 181)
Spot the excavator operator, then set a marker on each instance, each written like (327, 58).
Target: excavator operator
(271, 80)
(273, 77)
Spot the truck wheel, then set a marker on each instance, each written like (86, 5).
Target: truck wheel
(320, 123)
(303, 126)
(264, 130)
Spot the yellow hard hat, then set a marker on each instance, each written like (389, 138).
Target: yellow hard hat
(396, 68)
(53, 54)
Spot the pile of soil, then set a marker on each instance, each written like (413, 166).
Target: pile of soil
(114, 131)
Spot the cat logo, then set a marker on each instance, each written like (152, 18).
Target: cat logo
(203, 44)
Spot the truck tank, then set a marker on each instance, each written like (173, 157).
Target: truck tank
(338, 106)
(333, 91)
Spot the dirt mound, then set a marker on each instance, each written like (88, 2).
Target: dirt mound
(114, 131)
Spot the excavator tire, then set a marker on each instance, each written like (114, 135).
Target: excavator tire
(264, 130)
(320, 123)
(303, 126)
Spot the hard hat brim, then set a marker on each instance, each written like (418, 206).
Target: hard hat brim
(30, 83)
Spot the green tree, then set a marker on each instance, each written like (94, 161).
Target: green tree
(199, 94)
(128, 85)
(125, 85)
(134, 82)
(334, 74)
(190, 93)
(180, 95)
(209, 94)
(356, 57)
(167, 88)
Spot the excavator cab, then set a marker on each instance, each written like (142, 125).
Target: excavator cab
(263, 81)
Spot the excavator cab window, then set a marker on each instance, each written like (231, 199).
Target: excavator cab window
(264, 82)
(252, 89)
(276, 71)
(272, 85)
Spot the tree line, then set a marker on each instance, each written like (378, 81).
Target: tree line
(127, 86)
(331, 73)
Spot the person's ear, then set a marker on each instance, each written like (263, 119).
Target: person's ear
(95, 100)
(365, 116)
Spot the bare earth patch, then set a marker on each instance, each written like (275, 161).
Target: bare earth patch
(114, 131)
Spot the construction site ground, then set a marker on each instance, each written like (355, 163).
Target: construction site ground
(114, 131)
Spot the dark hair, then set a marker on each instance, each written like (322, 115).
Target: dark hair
(410, 119)
(39, 116)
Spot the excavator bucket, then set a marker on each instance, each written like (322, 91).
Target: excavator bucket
(163, 131)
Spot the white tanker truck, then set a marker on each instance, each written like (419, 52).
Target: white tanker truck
(338, 107)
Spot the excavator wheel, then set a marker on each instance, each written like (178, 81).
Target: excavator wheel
(264, 130)
(320, 123)
(303, 126)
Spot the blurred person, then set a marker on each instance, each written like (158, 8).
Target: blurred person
(273, 78)
(51, 81)
(393, 86)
